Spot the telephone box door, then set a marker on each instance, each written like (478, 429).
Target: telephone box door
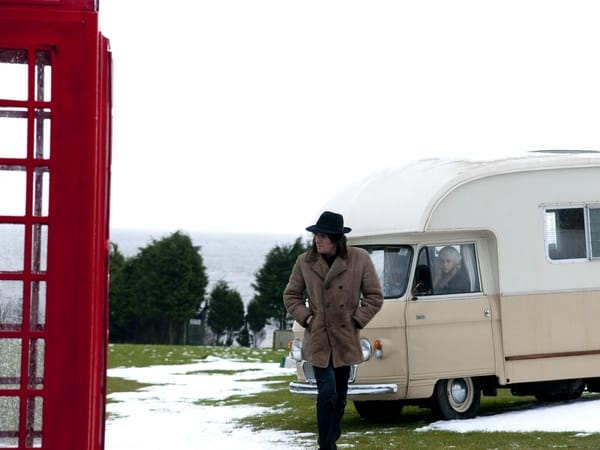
(54, 184)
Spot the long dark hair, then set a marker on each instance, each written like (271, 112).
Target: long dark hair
(340, 241)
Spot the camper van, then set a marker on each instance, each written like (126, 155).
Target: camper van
(491, 277)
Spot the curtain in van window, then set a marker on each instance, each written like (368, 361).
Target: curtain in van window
(595, 231)
(470, 263)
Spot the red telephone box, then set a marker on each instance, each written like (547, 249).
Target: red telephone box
(55, 104)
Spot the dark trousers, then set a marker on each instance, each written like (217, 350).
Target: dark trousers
(332, 387)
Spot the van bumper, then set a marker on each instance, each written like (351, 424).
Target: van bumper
(353, 389)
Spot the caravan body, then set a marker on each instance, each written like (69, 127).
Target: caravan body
(528, 234)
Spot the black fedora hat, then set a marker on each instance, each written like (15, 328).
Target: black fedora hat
(329, 223)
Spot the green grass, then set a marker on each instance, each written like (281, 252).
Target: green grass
(290, 412)
(130, 355)
(297, 413)
(122, 385)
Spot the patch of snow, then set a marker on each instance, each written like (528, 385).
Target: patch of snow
(172, 412)
(165, 415)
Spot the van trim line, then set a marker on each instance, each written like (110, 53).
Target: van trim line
(551, 355)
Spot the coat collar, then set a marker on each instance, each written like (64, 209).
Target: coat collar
(322, 269)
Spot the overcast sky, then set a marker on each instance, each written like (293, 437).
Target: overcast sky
(248, 115)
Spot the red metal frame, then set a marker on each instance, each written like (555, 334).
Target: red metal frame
(59, 384)
(81, 5)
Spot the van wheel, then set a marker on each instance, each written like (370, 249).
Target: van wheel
(560, 391)
(456, 398)
(593, 385)
(379, 409)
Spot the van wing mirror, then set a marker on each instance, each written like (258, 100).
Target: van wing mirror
(422, 283)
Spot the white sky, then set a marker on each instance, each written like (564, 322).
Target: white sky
(164, 415)
(239, 115)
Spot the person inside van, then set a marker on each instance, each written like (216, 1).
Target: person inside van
(452, 278)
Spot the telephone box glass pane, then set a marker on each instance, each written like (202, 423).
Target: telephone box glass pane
(13, 74)
(38, 305)
(39, 250)
(13, 179)
(11, 304)
(41, 183)
(43, 76)
(9, 421)
(34, 421)
(13, 129)
(42, 133)
(10, 363)
(36, 363)
(12, 245)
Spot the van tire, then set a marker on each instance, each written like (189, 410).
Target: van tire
(379, 409)
(593, 385)
(456, 398)
(560, 391)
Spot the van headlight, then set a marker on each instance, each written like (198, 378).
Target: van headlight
(295, 347)
(366, 348)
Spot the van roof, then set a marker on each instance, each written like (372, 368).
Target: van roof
(403, 199)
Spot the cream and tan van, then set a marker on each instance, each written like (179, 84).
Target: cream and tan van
(523, 237)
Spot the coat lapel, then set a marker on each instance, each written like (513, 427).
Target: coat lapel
(338, 266)
(320, 267)
(326, 273)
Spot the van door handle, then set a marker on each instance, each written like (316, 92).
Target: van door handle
(487, 312)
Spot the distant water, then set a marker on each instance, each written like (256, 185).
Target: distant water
(232, 257)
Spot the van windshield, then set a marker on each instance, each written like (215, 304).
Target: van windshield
(392, 263)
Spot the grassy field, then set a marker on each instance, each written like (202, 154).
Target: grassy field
(296, 413)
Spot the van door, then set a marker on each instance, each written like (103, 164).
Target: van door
(448, 319)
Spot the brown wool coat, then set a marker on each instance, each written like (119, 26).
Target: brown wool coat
(342, 300)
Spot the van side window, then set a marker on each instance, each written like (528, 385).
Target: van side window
(447, 269)
(392, 263)
(568, 231)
